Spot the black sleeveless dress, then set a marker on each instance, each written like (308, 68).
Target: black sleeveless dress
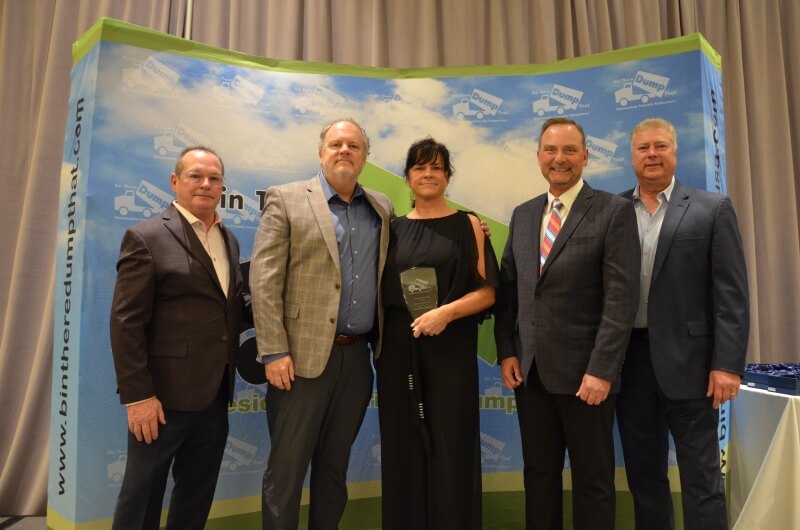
(431, 469)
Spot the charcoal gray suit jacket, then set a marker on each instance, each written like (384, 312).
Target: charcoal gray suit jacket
(575, 317)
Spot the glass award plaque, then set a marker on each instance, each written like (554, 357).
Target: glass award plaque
(420, 290)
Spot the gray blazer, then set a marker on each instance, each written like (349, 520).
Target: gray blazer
(698, 312)
(576, 317)
(295, 273)
(173, 330)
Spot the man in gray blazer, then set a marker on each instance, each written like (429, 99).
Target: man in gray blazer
(568, 284)
(687, 350)
(174, 326)
(315, 273)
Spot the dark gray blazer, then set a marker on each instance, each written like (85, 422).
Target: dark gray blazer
(576, 317)
(698, 312)
(173, 330)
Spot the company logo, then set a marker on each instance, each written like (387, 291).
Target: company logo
(479, 104)
(238, 91)
(320, 100)
(491, 448)
(600, 150)
(142, 201)
(642, 88)
(151, 75)
(559, 100)
(173, 141)
(238, 453)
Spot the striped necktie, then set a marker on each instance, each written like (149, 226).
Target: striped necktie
(551, 232)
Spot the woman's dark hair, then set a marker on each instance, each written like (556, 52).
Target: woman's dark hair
(427, 151)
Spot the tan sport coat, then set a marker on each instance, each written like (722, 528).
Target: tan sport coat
(295, 276)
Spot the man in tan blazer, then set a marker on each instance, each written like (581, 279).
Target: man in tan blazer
(315, 272)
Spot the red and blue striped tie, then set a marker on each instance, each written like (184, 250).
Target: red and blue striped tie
(551, 232)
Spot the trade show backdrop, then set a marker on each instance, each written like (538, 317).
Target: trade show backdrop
(138, 97)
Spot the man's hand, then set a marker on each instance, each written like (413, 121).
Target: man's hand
(144, 417)
(723, 386)
(593, 390)
(511, 373)
(280, 373)
(485, 227)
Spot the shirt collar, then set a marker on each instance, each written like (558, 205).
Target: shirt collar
(664, 195)
(193, 218)
(329, 192)
(568, 197)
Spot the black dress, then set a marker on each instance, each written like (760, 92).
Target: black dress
(431, 469)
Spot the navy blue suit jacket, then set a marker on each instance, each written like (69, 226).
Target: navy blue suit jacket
(698, 311)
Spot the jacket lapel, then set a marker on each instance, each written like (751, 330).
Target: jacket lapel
(676, 209)
(322, 213)
(184, 233)
(233, 262)
(582, 203)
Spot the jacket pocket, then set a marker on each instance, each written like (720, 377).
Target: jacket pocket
(688, 241)
(291, 310)
(698, 329)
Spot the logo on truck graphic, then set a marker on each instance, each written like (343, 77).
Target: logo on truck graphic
(478, 104)
(644, 87)
(145, 200)
(174, 141)
(151, 74)
(557, 101)
(239, 90)
(319, 100)
(491, 448)
(238, 453)
(600, 150)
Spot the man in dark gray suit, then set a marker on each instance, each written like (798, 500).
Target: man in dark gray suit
(568, 286)
(687, 350)
(174, 333)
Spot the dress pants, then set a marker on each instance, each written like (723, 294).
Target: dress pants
(315, 422)
(193, 444)
(646, 417)
(549, 425)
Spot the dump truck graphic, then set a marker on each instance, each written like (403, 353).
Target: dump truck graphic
(479, 104)
(491, 448)
(600, 150)
(151, 74)
(239, 89)
(643, 87)
(238, 453)
(174, 141)
(558, 100)
(116, 469)
(145, 200)
(320, 100)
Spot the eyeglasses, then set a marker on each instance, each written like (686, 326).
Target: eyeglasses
(215, 181)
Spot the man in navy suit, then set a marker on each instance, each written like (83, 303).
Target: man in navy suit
(688, 346)
(563, 323)
(174, 333)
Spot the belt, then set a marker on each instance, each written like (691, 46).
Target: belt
(344, 340)
(639, 333)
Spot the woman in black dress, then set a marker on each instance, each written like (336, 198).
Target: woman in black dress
(427, 371)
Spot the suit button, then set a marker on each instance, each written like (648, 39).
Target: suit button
(333, 321)
(338, 286)
(224, 338)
